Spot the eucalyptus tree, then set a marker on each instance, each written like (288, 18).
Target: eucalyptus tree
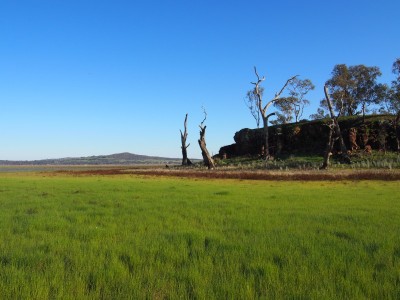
(390, 100)
(292, 107)
(354, 88)
(395, 100)
(263, 109)
(320, 114)
(251, 101)
(395, 88)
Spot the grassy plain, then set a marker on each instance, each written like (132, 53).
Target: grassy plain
(135, 237)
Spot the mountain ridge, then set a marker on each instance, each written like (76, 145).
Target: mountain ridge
(123, 158)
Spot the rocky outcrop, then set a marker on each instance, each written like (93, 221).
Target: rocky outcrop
(310, 137)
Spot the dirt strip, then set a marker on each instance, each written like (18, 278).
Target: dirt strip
(300, 175)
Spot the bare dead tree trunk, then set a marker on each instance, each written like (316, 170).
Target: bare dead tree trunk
(298, 111)
(207, 159)
(263, 109)
(329, 147)
(266, 136)
(185, 160)
(338, 132)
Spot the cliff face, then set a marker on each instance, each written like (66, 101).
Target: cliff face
(311, 137)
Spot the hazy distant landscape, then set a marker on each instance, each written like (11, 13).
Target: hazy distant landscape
(113, 159)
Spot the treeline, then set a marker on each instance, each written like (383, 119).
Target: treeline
(351, 90)
(354, 90)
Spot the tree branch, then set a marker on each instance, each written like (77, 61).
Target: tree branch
(270, 115)
(283, 88)
(277, 95)
(258, 77)
(205, 117)
(184, 123)
(184, 134)
(257, 91)
(328, 100)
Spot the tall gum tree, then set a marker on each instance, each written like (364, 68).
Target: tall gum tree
(355, 86)
(395, 100)
(292, 107)
(251, 101)
(264, 108)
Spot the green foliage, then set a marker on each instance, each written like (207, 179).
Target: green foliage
(393, 104)
(141, 237)
(376, 160)
(251, 101)
(321, 113)
(353, 88)
(292, 107)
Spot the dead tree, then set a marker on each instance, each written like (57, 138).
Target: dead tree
(207, 159)
(263, 109)
(185, 160)
(329, 146)
(334, 134)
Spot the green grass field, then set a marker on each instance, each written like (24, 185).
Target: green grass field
(132, 237)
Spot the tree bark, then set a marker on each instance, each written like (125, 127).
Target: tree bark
(185, 160)
(207, 159)
(267, 155)
(329, 148)
(338, 132)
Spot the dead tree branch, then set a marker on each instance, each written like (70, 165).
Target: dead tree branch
(185, 160)
(207, 159)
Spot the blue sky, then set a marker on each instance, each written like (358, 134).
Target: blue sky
(84, 77)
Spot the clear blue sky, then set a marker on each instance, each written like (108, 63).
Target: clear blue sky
(84, 77)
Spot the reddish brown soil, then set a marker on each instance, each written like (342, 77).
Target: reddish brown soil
(312, 175)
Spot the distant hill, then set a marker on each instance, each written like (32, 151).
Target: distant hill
(113, 159)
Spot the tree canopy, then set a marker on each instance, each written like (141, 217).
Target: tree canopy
(395, 88)
(292, 107)
(251, 101)
(354, 88)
